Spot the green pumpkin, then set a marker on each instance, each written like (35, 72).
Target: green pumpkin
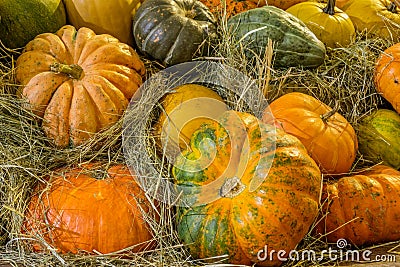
(379, 137)
(172, 31)
(22, 20)
(251, 187)
(294, 44)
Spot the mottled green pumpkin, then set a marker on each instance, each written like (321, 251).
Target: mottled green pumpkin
(255, 187)
(293, 43)
(379, 137)
(22, 20)
(172, 31)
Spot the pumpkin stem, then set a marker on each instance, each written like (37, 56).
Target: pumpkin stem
(330, 7)
(392, 7)
(232, 187)
(330, 113)
(74, 71)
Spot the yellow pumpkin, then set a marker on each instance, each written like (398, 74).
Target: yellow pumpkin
(184, 110)
(330, 24)
(378, 17)
(104, 16)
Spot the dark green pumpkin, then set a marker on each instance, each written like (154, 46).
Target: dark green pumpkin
(379, 137)
(22, 20)
(227, 214)
(294, 44)
(172, 30)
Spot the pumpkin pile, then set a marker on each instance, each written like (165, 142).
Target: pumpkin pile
(315, 154)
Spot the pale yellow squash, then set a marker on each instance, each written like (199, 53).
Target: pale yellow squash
(104, 16)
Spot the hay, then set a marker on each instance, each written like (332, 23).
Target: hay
(27, 156)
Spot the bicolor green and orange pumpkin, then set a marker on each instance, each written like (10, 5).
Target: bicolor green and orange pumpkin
(250, 187)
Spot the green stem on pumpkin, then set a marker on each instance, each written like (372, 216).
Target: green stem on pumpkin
(325, 117)
(74, 71)
(330, 7)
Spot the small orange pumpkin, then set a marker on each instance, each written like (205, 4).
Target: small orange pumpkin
(77, 81)
(362, 208)
(79, 212)
(327, 135)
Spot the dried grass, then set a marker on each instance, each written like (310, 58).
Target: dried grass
(27, 156)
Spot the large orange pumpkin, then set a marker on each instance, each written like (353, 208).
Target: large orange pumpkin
(387, 75)
(362, 208)
(253, 187)
(80, 211)
(327, 135)
(79, 82)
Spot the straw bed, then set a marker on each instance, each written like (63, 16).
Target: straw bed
(26, 156)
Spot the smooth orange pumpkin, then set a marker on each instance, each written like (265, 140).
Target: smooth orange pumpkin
(327, 135)
(387, 75)
(79, 211)
(362, 208)
(77, 81)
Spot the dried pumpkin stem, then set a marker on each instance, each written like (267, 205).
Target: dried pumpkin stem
(232, 187)
(392, 7)
(330, 7)
(74, 71)
(325, 117)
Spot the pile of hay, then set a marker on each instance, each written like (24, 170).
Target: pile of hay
(26, 156)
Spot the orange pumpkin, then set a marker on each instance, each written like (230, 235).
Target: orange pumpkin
(77, 81)
(362, 208)
(283, 4)
(184, 110)
(231, 7)
(327, 135)
(78, 211)
(387, 75)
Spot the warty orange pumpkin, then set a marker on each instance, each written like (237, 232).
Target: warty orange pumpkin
(77, 81)
(378, 17)
(80, 210)
(328, 136)
(362, 208)
(252, 186)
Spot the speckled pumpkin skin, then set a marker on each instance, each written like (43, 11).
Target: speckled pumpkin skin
(277, 214)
